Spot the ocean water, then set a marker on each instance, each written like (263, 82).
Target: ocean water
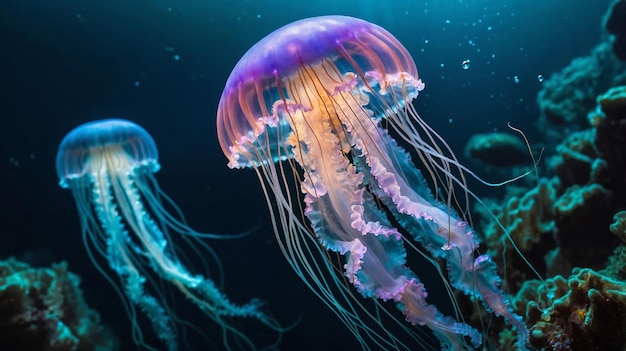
(163, 64)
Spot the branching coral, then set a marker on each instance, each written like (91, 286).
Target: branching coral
(43, 309)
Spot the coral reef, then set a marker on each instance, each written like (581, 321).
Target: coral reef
(566, 220)
(574, 159)
(609, 121)
(576, 219)
(572, 227)
(616, 25)
(618, 227)
(582, 216)
(568, 95)
(528, 219)
(615, 267)
(43, 309)
(573, 313)
(497, 149)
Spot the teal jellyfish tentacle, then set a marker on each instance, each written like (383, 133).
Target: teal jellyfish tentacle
(162, 260)
(123, 265)
(161, 323)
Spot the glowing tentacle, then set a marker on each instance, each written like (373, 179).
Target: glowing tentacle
(150, 244)
(121, 262)
(334, 190)
(402, 188)
(197, 288)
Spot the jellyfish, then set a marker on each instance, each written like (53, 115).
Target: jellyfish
(109, 166)
(321, 110)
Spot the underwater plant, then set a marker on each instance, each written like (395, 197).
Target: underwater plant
(306, 108)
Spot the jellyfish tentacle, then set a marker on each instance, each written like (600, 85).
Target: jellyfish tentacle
(440, 231)
(330, 82)
(161, 322)
(335, 190)
(412, 295)
(109, 166)
(122, 263)
(202, 291)
(372, 266)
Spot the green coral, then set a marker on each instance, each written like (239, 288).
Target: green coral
(565, 94)
(616, 266)
(618, 227)
(43, 309)
(528, 220)
(573, 314)
(563, 223)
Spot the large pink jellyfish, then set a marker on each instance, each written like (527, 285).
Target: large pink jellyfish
(304, 107)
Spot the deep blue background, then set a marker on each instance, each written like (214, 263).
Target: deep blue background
(66, 62)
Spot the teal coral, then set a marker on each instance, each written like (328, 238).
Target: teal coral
(616, 266)
(582, 215)
(575, 88)
(614, 23)
(43, 309)
(581, 223)
(565, 221)
(574, 159)
(609, 120)
(567, 95)
(573, 314)
(618, 227)
(528, 220)
(497, 149)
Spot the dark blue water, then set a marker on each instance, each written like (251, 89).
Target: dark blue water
(163, 65)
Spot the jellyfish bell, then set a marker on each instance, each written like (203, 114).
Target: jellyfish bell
(125, 145)
(305, 107)
(324, 49)
(109, 166)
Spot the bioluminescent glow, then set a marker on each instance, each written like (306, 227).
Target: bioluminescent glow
(109, 166)
(305, 107)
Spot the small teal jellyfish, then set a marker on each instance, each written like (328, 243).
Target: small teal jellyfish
(306, 108)
(109, 166)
